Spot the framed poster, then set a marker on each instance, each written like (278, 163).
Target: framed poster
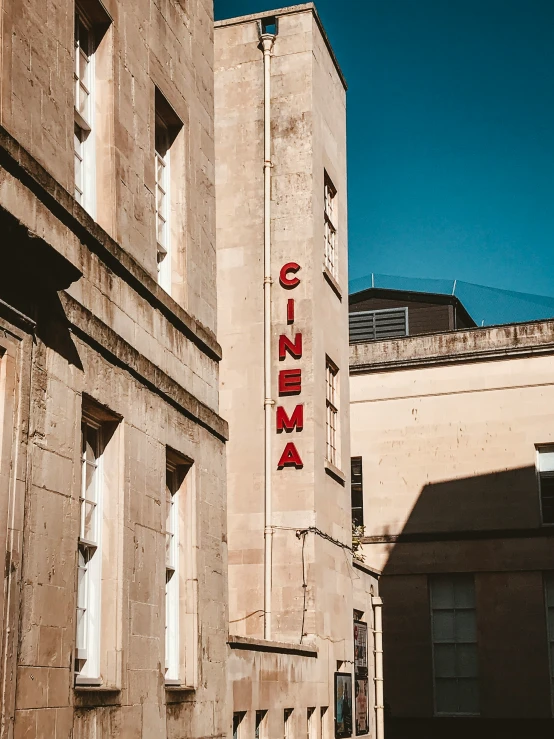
(362, 706)
(343, 705)
(360, 648)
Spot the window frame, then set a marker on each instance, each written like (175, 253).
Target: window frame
(332, 452)
(453, 577)
(330, 239)
(89, 552)
(163, 185)
(84, 127)
(542, 449)
(355, 460)
(172, 576)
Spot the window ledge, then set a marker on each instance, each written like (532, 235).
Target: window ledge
(91, 688)
(335, 473)
(263, 645)
(179, 688)
(333, 283)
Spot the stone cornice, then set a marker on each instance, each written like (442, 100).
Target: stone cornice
(517, 340)
(18, 162)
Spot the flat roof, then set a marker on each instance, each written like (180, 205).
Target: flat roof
(479, 344)
(302, 8)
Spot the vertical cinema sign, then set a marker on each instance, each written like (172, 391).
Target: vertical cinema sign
(290, 380)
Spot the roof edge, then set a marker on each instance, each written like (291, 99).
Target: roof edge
(290, 10)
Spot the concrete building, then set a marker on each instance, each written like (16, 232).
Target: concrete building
(112, 468)
(453, 442)
(283, 307)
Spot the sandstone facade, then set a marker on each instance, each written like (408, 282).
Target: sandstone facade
(87, 331)
(284, 686)
(450, 429)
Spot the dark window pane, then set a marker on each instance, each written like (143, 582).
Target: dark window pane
(547, 499)
(357, 491)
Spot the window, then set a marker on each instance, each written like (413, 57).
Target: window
(90, 28)
(357, 491)
(311, 726)
(83, 138)
(454, 635)
(545, 471)
(323, 719)
(549, 598)
(178, 570)
(287, 723)
(167, 126)
(100, 518)
(238, 717)
(162, 203)
(372, 325)
(87, 651)
(332, 412)
(330, 228)
(261, 725)
(172, 575)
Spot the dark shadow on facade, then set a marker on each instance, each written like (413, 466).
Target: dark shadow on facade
(489, 528)
(32, 275)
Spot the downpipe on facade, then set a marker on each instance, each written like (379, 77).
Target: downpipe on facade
(378, 642)
(267, 41)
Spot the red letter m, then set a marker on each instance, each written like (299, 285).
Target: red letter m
(289, 424)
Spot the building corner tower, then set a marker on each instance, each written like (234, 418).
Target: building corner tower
(282, 322)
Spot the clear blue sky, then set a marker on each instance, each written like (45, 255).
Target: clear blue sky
(450, 136)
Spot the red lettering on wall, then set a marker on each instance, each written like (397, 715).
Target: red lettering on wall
(289, 282)
(290, 457)
(284, 423)
(290, 382)
(290, 310)
(286, 345)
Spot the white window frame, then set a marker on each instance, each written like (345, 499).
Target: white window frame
(89, 567)
(548, 579)
(238, 718)
(172, 577)
(84, 121)
(542, 451)
(330, 258)
(323, 720)
(455, 608)
(311, 726)
(162, 164)
(332, 412)
(288, 732)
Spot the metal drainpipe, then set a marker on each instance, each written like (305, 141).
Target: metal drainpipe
(378, 636)
(267, 40)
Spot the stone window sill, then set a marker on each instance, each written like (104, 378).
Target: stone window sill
(335, 473)
(333, 283)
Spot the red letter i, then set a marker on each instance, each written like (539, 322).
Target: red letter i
(290, 310)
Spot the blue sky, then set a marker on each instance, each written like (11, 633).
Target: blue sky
(450, 136)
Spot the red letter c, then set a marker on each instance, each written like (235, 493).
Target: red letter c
(288, 282)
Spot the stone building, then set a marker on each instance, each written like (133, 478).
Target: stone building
(283, 312)
(453, 442)
(112, 467)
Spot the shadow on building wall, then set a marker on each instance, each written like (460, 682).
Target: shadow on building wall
(489, 526)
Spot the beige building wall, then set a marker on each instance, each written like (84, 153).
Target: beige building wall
(313, 578)
(447, 427)
(84, 325)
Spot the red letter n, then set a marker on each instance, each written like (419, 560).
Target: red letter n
(289, 424)
(286, 345)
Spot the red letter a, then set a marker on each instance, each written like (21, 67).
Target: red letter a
(290, 457)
